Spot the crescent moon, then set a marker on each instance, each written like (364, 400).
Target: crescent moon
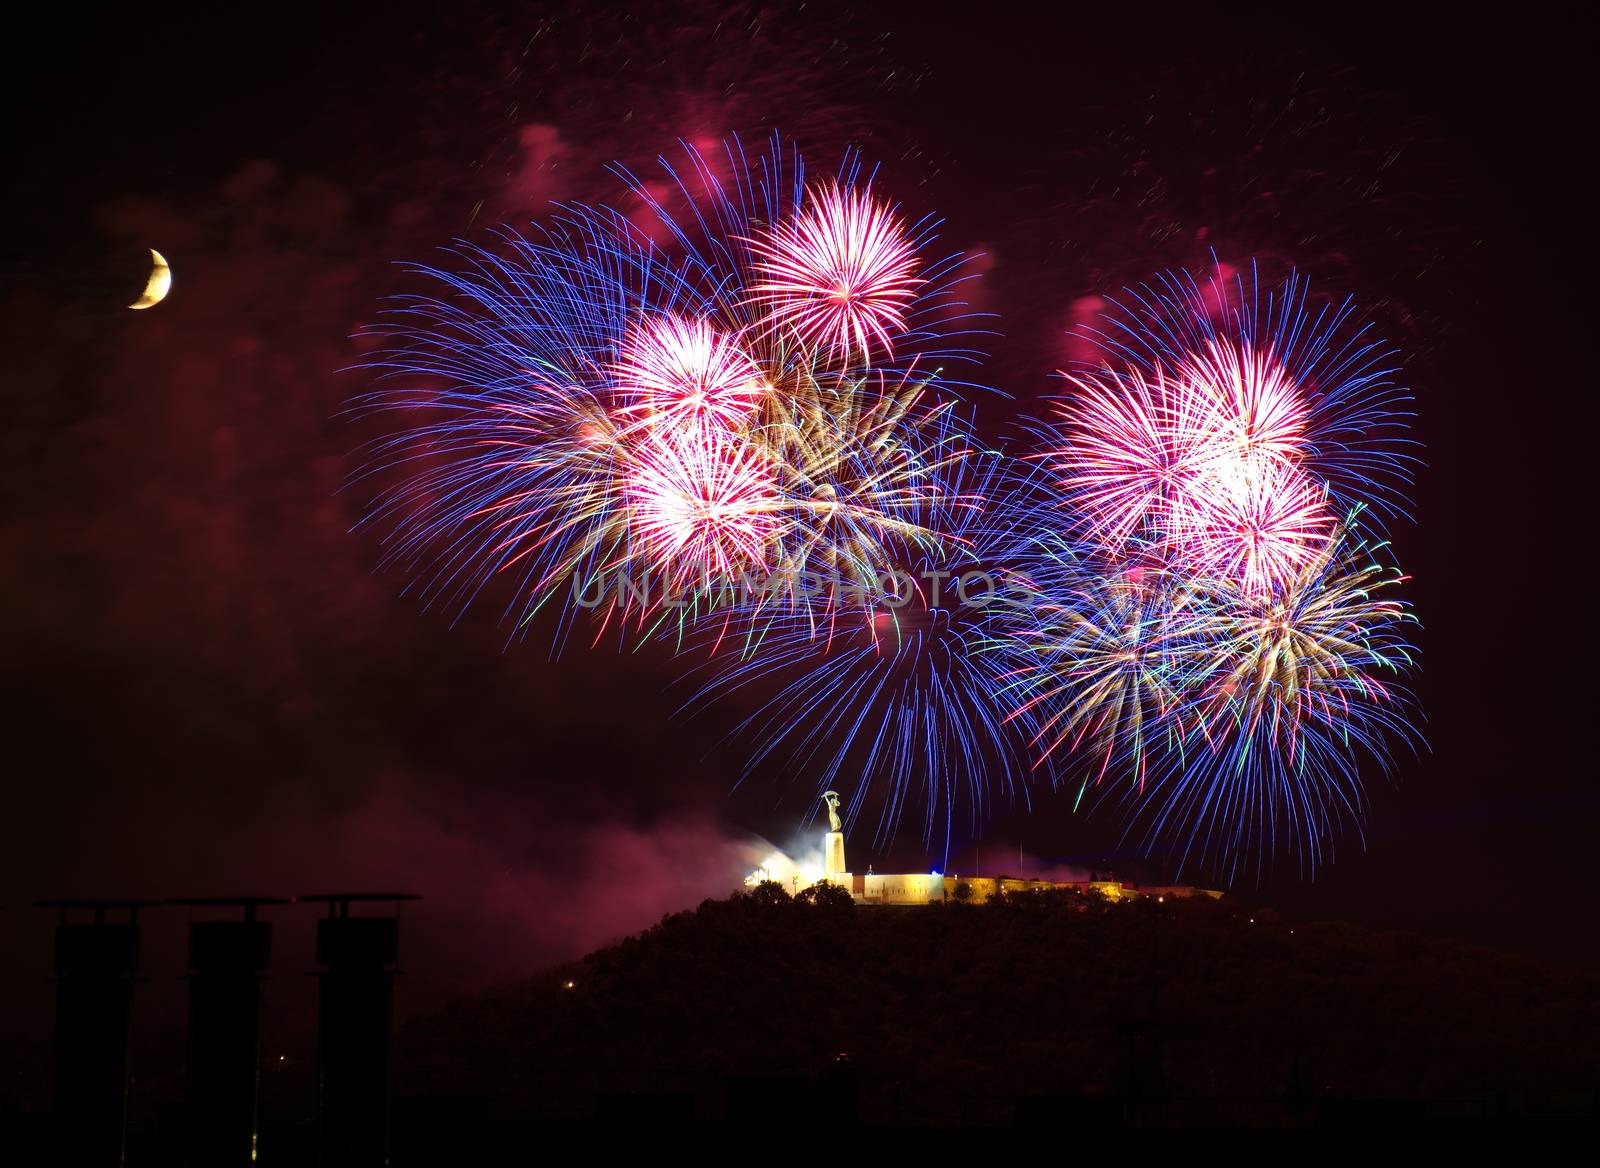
(159, 283)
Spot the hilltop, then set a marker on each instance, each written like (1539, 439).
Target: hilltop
(1039, 1005)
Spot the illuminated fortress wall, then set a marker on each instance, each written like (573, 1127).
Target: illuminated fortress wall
(918, 888)
(937, 888)
(934, 888)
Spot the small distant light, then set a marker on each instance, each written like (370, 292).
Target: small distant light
(283, 1058)
(1161, 900)
(567, 985)
(1252, 920)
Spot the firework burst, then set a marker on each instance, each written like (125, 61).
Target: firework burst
(1101, 661)
(1256, 526)
(1215, 640)
(741, 381)
(839, 274)
(621, 399)
(701, 503)
(674, 372)
(1259, 373)
(1288, 694)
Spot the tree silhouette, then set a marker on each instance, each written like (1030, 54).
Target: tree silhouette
(824, 894)
(769, 892)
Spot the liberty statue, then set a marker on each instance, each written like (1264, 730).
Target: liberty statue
(833, 843)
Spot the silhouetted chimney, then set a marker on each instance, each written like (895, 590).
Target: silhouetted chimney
(226, 960)
(96, 966)
(355, 1028)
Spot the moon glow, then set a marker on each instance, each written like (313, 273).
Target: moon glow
(159, 283)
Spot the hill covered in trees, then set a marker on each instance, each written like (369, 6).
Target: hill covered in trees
(1039, 1006)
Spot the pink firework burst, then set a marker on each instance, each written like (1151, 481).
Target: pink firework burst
(1127, 456)
(1256, 525)
(702, 504)
(674, 371)
(1246, 512)
(1238, 407)
(1205, 463)
(839, 276)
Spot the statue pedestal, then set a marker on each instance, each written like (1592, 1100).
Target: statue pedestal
(833, 868)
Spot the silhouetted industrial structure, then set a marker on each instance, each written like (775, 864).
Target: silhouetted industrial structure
(226, 961)
(356, 1022)
(96, 965)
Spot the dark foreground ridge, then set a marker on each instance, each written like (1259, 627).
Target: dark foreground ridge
(1043, 1007)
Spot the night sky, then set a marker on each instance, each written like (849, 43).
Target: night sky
(209, 687)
